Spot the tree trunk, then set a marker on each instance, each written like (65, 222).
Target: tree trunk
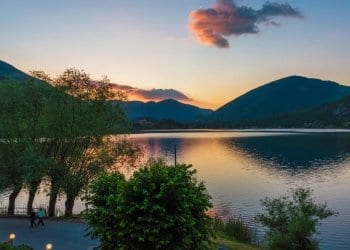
(12, 201)
(52, 204)
(69, 205)
(32, 192)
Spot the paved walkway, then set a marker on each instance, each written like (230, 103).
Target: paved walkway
(63, 235)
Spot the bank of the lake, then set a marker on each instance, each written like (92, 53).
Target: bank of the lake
(240, 168)
(69, 233)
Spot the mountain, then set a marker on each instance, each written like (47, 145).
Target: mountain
(7, 71)
(284, 95)
(294, 101)
(331, 115)
(164, 110)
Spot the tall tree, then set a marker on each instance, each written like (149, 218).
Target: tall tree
(58, 131)
(14, 127)
(82, 115)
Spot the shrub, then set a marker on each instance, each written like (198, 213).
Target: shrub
(159, 207)
(103, 214)
(292, 220)
(23, 247)
(233, 228)
(5, 246)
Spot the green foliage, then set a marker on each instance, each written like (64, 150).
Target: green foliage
(57, 132)
(292, 220)
(23, 247)
(103, 213)
(233, 228)
(159, 207)
(5, 246)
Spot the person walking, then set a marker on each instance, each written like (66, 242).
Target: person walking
(32, 219)
(40, 214)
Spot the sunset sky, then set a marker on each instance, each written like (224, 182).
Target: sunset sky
(212, 51)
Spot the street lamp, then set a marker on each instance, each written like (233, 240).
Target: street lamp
(12, 237)
(48, 246)
(175, 154)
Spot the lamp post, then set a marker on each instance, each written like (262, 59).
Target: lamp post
(48, 246)
(170, 151)
(12, 237)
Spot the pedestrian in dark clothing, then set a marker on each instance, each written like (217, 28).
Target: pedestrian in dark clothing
(32, 219)
(40, 214)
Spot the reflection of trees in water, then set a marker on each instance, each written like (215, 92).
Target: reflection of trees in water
(295, 153)
(291, 154)
(165, 147)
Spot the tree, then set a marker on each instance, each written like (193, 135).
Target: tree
(51, 130)
(113, 154)
(20, 122)
(11, 173)
(292, 220)
(159, 207)
(81, 115)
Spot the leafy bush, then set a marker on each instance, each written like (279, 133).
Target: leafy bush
(103, 214)
(5, 246)
(292, 220)
(159, 207)
(23, 247)
(233, 228)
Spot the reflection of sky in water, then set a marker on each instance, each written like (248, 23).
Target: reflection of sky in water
(240, 168)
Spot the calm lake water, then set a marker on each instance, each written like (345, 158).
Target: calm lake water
(240, 168)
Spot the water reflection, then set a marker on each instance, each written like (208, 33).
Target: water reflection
(240, 169)
(296, 152)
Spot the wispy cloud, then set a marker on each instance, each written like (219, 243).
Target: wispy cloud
(212, 26)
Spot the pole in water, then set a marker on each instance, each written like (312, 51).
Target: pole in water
(175, 155)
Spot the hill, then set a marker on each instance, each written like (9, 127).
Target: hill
(280, 96)
(331, 115)
(7, 71)
(293, 101)
(11, 75)
(164, 110)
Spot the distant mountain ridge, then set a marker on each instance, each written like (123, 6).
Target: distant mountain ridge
(294, 101)
(164, 110)
(284, 95)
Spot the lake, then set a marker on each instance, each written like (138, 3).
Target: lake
(240, 168)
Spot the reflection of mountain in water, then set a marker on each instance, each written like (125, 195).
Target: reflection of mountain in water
(302, 151)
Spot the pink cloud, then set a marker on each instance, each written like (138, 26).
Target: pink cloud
(212, 26)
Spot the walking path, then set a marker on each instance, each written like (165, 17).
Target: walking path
(63, 235)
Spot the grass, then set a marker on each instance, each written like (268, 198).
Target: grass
(230, 244)
(232, 234)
